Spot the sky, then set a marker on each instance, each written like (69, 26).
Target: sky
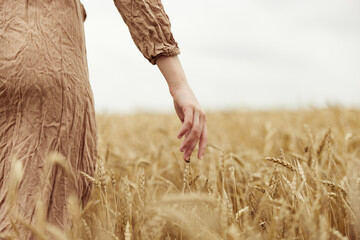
(236, 54)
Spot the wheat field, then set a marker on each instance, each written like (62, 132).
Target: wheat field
(265, 175)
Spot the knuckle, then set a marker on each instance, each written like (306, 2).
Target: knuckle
(185, 144)
(202, 114)
(198, 135)
(190, 106)
(187, 107)
(187, 124)
(190, 150)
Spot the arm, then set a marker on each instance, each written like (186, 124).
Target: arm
(150, 28)
(187, 107)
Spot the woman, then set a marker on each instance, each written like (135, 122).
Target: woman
(46, 102)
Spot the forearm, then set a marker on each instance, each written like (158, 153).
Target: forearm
(187, 107)
(171, 69)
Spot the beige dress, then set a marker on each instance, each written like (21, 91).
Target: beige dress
(46, 102)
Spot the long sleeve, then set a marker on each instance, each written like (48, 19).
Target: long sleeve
(149, 27)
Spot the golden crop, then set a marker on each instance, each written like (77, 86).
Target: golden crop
(265, 175)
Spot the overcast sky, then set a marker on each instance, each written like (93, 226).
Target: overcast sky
(235, 53)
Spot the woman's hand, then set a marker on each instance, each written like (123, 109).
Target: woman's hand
(193, 120)
(186, 105)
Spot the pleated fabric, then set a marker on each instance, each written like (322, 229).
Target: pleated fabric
(46, 101)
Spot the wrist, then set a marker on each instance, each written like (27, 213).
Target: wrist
(178, 86)
(173, 72)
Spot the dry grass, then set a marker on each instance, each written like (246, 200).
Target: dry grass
(265, 175)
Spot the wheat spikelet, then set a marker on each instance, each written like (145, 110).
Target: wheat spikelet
(310, 148)
(87, 229)
(332, 194)
(192, 183)
(229, 209)
(301, 172)
(187, 178)
(281, 162)
(91, 179)
(322, 143)
(127, 232)
(142, 187)
(232, 175)
(240, 212)
(211, 183)
(112, 178)
(128, 197)
(102, 175)
(273, 177)
(293, 185)
(260, 189)
(124, 208)
(237, 159)
(224, 213)
(282, 155)
(335, 186)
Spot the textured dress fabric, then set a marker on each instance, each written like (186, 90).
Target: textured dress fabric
(46, 102)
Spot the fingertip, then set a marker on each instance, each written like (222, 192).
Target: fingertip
(200, 154)
(181, 133)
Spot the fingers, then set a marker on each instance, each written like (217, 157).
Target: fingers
(188, 139)
(188, 122)
(203, 141)
(195, 134)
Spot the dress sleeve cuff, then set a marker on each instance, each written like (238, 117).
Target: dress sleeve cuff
(173, 51)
